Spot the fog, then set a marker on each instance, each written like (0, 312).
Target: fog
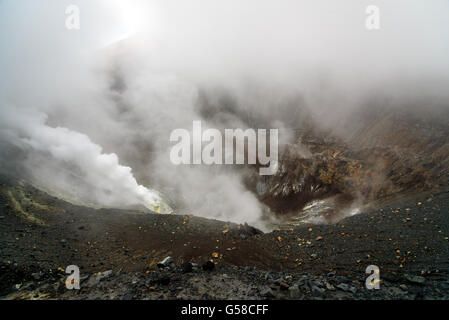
(87, 114)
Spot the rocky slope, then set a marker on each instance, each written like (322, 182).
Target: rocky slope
(369, 158)
(41, 235)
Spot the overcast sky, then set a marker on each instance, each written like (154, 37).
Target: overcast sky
(231, 35)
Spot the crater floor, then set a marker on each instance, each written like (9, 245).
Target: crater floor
(39, 234)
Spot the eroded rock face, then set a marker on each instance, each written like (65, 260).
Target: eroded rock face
(383, 157)
(324, 173)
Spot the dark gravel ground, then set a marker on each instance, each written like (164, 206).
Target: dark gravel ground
(226, 282)
(41, 235)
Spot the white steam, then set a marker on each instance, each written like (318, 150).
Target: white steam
(112, 184)
(84, 108)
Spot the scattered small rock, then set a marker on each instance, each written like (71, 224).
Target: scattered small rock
(283, 285)
(127, 296)
(268, 276)
(293, 292)
(267, 293)
(208, 266)
(36, 275)
(317, 292)
(195, 266)
(97, 277)
(415, 279)
(353, 290)
(165, 263)
(186, 267)
(343, 286)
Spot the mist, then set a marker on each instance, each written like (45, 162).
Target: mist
(88, 113)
